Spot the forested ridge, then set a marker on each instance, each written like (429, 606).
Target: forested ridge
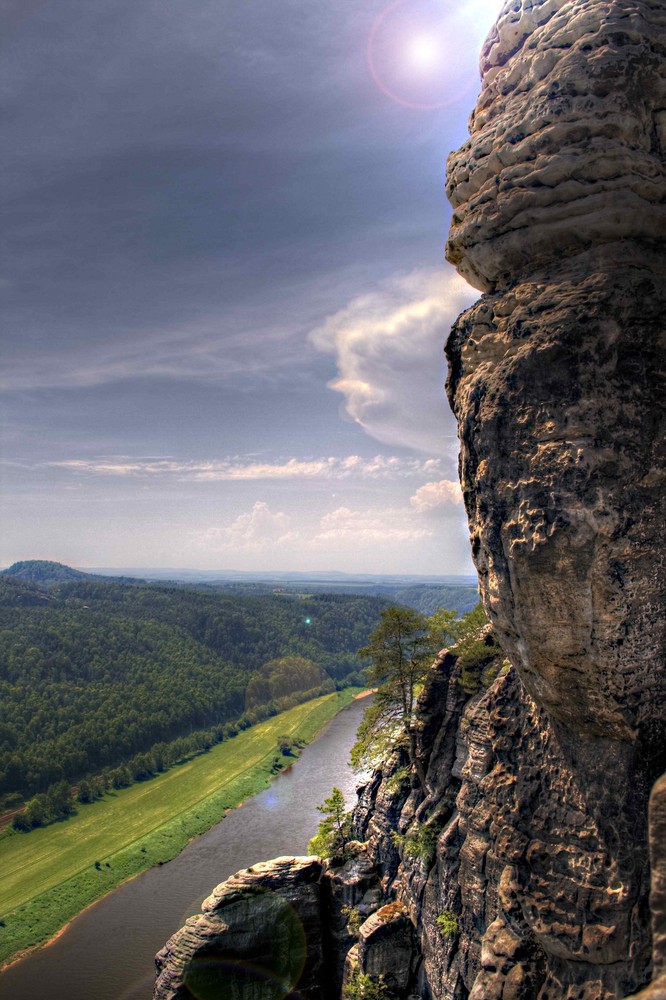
(92, 673)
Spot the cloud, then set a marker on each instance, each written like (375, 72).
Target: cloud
(229, 469)
(385, 526)
(220, 348)
(256, 531)
(388, 349)
(434, 495)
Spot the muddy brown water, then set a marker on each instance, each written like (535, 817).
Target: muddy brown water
(107, 952)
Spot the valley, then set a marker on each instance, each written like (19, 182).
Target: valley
(54, 872)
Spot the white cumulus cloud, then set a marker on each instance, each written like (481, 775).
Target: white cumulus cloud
(255, 531)
(380, 526)
(434, 495)
(388, 349)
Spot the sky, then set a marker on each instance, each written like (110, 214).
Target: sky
(224, 298)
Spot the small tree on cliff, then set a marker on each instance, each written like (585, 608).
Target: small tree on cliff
(333, 833)
(401, 652)
(442, 626)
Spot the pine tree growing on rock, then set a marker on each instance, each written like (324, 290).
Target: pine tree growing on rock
(401, 651)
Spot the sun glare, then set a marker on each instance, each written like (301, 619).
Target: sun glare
(423, 53)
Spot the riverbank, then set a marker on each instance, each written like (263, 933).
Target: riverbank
(52, 874)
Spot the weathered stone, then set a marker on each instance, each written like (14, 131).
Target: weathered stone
(561, 435)
(657, 821)
(556, 379)
(349, 892)
(426, 886)
(509, 969)
(657, 818)
(567, 141)
(386, 947)
(655, 991)
(259, 937)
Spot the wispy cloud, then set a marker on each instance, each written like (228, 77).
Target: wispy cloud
(215, 349)
(350, 466)
(386, 344)
(343, 531)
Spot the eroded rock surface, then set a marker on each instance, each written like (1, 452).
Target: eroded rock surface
(657, 824)
(556, 379)
(557, 374)
(277, 928)
(568, 138)
(259, 936)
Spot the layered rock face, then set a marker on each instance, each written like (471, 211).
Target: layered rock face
(277, 929)
(657, 815)
(557, 374)
(259, 935)
(557, 382)
(537, 882)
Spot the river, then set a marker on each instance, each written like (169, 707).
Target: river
(107, 952)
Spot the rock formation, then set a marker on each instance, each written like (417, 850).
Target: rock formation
(556, 379)
(523, 871)
(277, 928)
(557, 373)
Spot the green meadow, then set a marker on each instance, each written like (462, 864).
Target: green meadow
(49, 875)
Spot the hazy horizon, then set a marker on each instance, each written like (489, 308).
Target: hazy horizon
(231, 573)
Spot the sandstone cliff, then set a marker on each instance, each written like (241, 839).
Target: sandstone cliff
(523, 871)
(277, 928)
(557, 374)
(556, 379)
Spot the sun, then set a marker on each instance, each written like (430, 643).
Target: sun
(423, 53)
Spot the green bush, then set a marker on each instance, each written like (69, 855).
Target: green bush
(334, 830)
(363, 987)
(448, 924)
(396, 783)
(354, 919)
(420, 843)
(477, 651)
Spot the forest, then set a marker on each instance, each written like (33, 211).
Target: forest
(95, 673)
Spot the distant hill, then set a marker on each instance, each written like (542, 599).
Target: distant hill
(44, 572)
(331, 579)
(94, 671)
(50, 574)
(424, 593)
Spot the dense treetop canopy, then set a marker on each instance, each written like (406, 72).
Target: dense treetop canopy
(92, 673)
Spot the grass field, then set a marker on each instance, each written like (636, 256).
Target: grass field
(49, 875)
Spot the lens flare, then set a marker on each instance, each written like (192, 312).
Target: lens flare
(270, 969)
(424, 53)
